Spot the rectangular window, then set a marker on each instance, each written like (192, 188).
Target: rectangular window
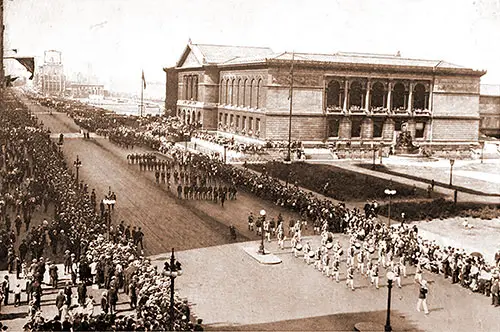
(356, 128)
(225, 119)
(244, 122)
(378, 125)
(250, 123)
(257, 124)
(333, 128)
(419, 129)
(237, 124)
(397, 124)
(231, 120)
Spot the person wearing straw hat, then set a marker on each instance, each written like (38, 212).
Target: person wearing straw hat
(422, 297)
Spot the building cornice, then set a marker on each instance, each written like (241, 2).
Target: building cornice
(376, 67)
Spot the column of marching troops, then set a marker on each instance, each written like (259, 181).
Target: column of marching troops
(189, 182)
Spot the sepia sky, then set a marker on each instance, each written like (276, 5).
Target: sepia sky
(120, 37)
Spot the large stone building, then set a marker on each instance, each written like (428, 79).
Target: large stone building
(50, 77)
(85, 90)
(348, 98)
(489, 110)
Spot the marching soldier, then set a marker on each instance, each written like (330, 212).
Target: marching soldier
(250, 222)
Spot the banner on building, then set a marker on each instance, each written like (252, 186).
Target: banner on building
(28, 63)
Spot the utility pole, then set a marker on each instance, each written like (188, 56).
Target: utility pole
(290, 97)
(2, 29)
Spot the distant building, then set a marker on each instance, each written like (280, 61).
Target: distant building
(489, 110)
(342, 98)
(85, 90)
(50, 77)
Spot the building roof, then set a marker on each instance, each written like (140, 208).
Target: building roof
(367, 58)
(218, 54)
(223, 55)
(489, 90)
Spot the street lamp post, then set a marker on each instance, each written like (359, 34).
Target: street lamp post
(77, 163)
(172, 270)
(373, 150)
(482, 151)
(225, 153)
(390, 193)
(262, 251)
(390, 277)
(452, 162)
(381, 153)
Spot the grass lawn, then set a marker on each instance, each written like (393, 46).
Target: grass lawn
(335, 182)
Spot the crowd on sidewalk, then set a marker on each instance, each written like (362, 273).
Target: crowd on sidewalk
(33, 177)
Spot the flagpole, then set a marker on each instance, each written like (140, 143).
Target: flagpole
(289, 154)
(2, 73)
(142, 94)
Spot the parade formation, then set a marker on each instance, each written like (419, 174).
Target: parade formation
(108, 256)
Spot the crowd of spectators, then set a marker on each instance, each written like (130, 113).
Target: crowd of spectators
(33, 176)
(116, 266)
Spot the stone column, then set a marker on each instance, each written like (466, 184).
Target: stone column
(346, 95)
(345, 128)
(367, 128)
(388, 130)
(389, 96)
(367, 96)
(410, 98)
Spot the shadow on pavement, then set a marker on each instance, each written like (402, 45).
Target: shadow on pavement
(337, 322)
(5, 317)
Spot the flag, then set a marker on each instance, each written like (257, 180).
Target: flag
(9, 79)
(28, 63)
(143, 80)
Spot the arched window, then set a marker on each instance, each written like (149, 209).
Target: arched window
(195, 88)
(222, 91)
(253, 96)
(185, 88)
(355, 95)
(237, 92)
(378, 95)
(399, 96)
(226, 94)
(333, 94)
(420, 97)
(189, 87)
(232, 93)
(248, 92)
(241, 93)
(259, 94)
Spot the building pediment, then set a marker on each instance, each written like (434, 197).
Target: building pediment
(191, 58)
